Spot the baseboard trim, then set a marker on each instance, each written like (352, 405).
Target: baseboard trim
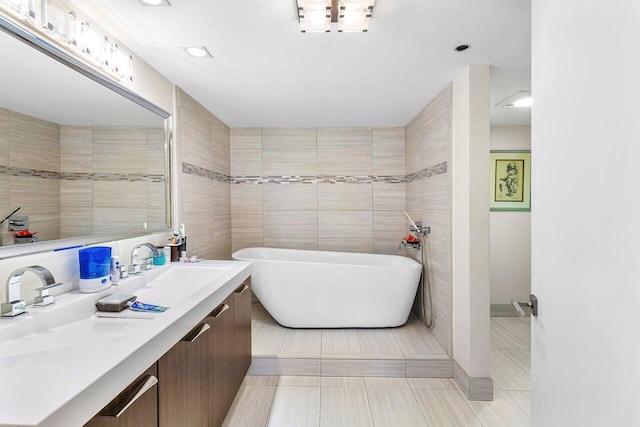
(474, 388)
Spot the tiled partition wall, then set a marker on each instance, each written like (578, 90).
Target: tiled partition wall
(203, 142)
(428, 145)
(28, 144)
(336, 189)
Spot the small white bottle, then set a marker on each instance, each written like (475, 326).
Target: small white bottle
(115, 270)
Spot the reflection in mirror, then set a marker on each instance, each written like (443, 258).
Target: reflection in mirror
(76, 158)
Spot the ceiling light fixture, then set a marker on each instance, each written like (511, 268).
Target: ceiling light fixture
(520, 99)
(54, 21)
(153, 3)
(316, 16)
(197, 52)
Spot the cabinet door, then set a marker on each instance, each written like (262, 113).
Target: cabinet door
(242, 328)
(136, 406)
(183, 391)
(221, 348)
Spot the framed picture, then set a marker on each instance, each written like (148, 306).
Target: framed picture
(510, 181)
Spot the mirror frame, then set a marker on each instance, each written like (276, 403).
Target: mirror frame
(41, 44)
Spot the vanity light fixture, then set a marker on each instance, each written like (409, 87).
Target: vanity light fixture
(154, 3)
(520, 99)
(197, 52)
(56, 22)
(317, 16)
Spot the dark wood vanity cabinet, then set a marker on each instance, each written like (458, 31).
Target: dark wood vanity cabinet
(136, 406)
(201, 375)
(195, 382)
(242, 329)
(182, 373)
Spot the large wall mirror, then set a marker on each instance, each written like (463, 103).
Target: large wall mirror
(76, 158)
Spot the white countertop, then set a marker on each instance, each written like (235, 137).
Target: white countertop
(61, 364)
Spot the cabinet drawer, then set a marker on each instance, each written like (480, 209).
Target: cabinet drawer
(136, 406)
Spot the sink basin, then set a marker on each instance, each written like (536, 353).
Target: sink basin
(178, 283)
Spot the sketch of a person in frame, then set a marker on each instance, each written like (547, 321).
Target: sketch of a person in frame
(509, 184)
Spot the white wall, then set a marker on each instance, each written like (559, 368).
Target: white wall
(510, 231)
(585, 221)
(470, 220)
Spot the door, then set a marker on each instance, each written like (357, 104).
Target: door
(585, 361)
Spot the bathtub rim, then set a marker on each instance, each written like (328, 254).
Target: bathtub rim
(410, 263)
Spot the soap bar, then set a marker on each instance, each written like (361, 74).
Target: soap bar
(115, 302)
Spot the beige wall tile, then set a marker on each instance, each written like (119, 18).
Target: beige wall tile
(345, 151)
(289, 152)
(200, 228)
(194, 131)
(75, 222)
(78, 194)
(293, 229)
(290, 197)
(246, 229)
(120, 194)
(290, 162)
(119, 149)
(288, 139)
(388, 151)
(34, 143)
(155, 151)
(246, 197)
(221, 236)
(109, 220)
(34, 191)
(389, 197)
(220, 145)
(4, 137)
(345, 197)
(246, 151)
(221, 197)
(197, 194)
(76, 149)
(350, 231)
(389, 227)
(156, 199)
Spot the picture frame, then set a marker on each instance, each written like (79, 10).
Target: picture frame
(510, 181)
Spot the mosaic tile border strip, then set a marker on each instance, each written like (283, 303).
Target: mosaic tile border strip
(438, 169)
(428, 172)
(77, 176)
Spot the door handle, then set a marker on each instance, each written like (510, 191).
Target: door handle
(533, 303)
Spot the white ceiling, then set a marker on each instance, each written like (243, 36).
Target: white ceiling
(265, 72)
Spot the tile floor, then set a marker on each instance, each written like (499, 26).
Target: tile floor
(298, 401)
(409, 350)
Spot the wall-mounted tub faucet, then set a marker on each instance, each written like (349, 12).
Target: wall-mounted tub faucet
(15, 304)
(136, 248)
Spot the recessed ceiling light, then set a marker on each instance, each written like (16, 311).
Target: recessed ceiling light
(197, 52)
(520, 99)
(154, 2)
(462, 47)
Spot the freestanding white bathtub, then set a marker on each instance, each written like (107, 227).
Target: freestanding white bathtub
(317, 289)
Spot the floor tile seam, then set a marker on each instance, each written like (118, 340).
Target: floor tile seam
(415, 398)
(273, 396)
(468, 403)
